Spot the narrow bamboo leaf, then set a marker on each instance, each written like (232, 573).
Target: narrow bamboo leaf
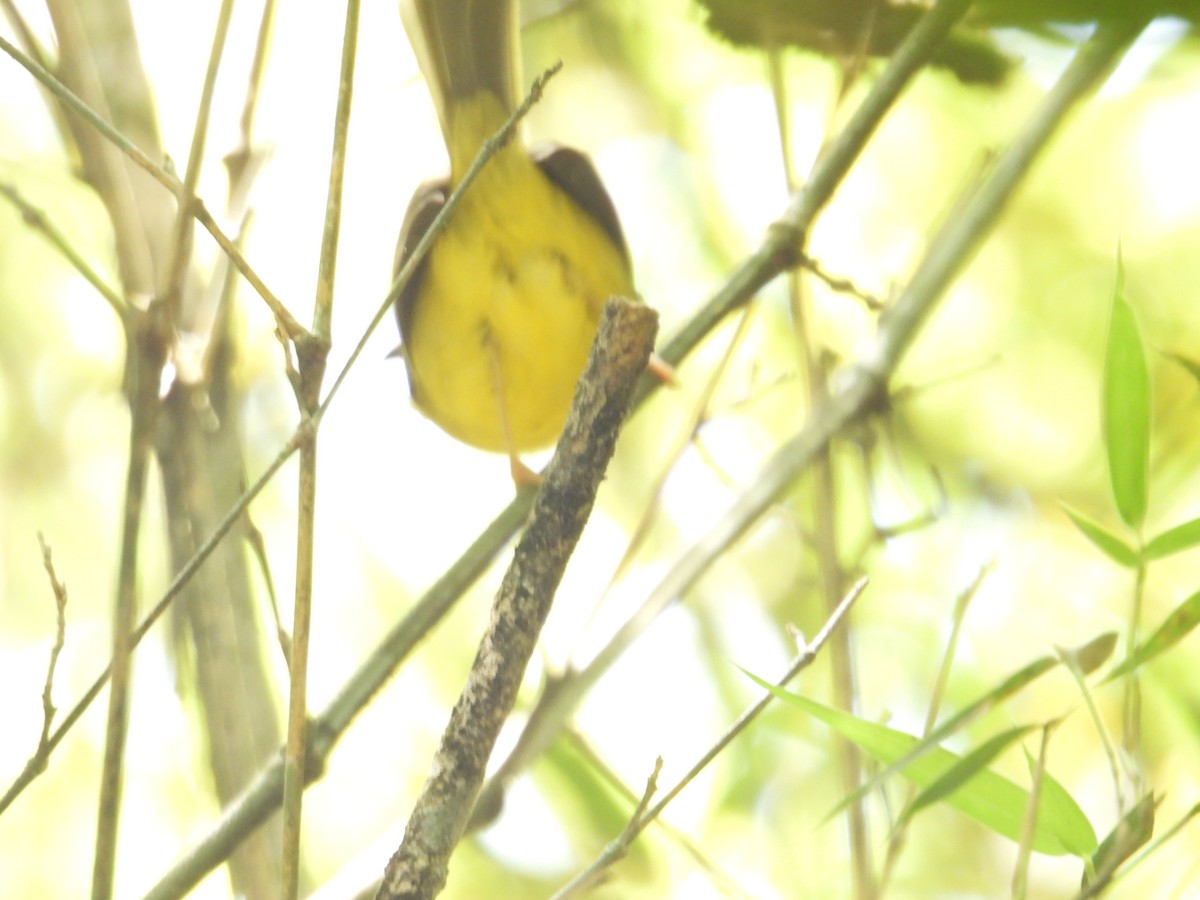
(1134, 829)
(1175, 628)
(1064, 818)
(1002, 691)
(1092, 655)
(967, 714)
(986, 797)
(964, 770)
(1107, 542)
(1181, 537)
(1165, 838)
(1062, 812)
(1126, 412)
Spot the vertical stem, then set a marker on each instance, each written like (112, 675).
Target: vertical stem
(297, 737)
(824, 521)
(1131, 730)
(312, 355)
(145, 367)
(337, 167)
(179, 251)
(149, 338)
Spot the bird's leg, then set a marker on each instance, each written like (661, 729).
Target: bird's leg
(522, 475)
(662, 370)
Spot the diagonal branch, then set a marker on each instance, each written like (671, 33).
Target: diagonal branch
(419, 867)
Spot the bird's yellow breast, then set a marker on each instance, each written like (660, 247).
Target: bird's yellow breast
(510, 301)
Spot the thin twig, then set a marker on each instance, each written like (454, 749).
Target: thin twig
(60, 634)
(721, 881)
(841, 285)
(958, 616)
(618, 849)
(37, 219)
(179, 251)
(395, 647)
(313, 354)
(623, 343)
(489, 149)
(1020, 882)
(151, 356)
(239, 160)
(27, 775)
(147, 351)
(824, 507)
(195, 207)
(638, 823)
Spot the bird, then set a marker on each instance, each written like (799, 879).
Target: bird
(497, 321)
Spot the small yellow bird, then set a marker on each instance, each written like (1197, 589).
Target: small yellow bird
(497, 322)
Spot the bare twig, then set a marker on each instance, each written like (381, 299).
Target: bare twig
(242, 159)
(60, 634)
(312, 352)
(415, 258)
(184, 575)
(841, 285)
(640, 820)
(824, 508)
(148, 352)
(900, 832)
(37, 219)
(179, 252)
(151, 351)
(620, 847)
(195, 206)
(623, 343)
(721, 881)
(1029, 825)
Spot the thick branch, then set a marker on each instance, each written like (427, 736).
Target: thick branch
(622, 348)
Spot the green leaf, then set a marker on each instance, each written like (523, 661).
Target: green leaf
(964, 770)
(1064, 817)
(1094, 651)
(1091, 656)
(983, 795)
(1107, 542)
(1015, 682)
(1176, 627)
(1181, 537)
(1094, 883)
(1134, 829)
(1126, 412)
